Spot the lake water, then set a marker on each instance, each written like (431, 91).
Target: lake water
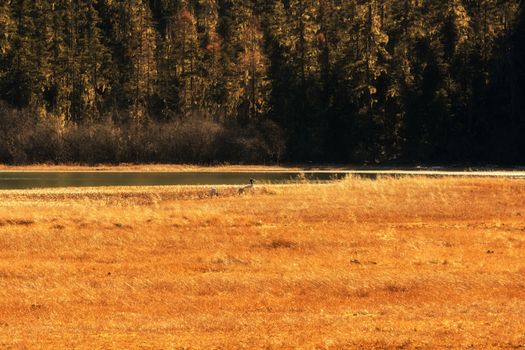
(28, 180)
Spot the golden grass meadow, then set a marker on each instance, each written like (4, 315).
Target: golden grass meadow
(394, 263)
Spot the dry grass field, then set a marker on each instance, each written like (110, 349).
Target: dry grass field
(404, 264)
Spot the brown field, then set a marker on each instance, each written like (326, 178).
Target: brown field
(410, 263)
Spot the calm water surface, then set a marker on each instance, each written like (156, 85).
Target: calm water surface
(28, 180)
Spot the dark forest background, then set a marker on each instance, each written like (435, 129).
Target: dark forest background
(362, 81)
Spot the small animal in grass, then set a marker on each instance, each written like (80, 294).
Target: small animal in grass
(248, 187)
(213, 192)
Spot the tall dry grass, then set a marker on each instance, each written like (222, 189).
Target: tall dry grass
(409, 263)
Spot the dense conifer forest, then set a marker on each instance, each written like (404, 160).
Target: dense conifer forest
(361, 81)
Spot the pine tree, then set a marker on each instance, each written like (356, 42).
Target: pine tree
(279, 73)
(352, 80)
(6, 32)
(247, 86)
(27, 70)
(168, 86)
(302, 45)
(300, 50)
(84, 79)
(421, 79)
(60, 86)
(184, 47)
(367, 65)
(208, 99)
(406, 28)
(517, 81)
(337, 119)
(133, 43)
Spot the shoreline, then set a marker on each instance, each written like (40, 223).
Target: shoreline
(298, 168)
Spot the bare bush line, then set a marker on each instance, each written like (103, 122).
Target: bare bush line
(27, 139)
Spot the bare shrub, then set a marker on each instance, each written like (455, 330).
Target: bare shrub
(92, 143)
(26, 138)
(43, 142)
